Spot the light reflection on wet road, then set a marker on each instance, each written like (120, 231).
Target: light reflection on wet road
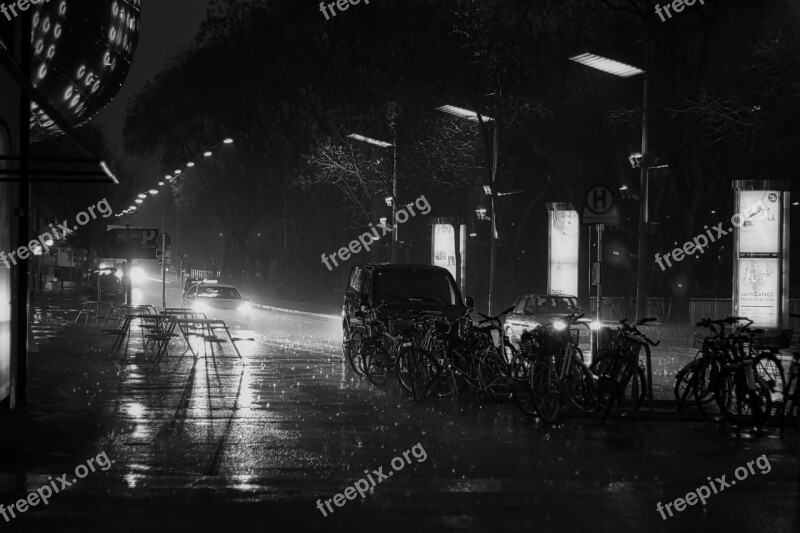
(206, 442)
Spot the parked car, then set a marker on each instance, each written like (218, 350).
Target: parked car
(419, 288)
(224, 302)
(533, 310)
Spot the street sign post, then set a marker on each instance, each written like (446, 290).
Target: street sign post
(164, 240)
(601, 208)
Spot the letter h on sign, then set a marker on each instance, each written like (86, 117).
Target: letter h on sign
(600, 200)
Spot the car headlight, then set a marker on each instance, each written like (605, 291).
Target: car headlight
(559, 325)
(594, 326)
(137, 275)
(244, 308)
(201, 307)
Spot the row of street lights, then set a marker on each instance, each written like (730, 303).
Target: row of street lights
(141, 197)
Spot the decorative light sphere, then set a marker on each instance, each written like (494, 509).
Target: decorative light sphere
(82, 53)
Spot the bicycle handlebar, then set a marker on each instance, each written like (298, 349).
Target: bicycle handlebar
(632, 328)
(497, 318)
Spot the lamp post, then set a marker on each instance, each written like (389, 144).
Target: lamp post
(480, 119)
(384, 144)
(623, 70)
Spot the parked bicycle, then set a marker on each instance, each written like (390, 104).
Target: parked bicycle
(559, 376)
(618, 358)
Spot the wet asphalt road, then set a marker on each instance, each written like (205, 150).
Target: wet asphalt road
(204, 443)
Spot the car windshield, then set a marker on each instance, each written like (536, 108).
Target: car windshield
(224, 293)
(415, 287)
(559, 304)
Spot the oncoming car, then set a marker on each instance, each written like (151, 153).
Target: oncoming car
(533, 310)
(218, 301)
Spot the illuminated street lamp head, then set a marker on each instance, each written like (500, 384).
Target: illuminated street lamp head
(143, 195)
(177, 172)
(463, 113)
(617, 68)
(139, 201)
(228, 141)
(160, 183)
(190, 164)
(133, 208)
(207, 154)
(370, 140)
(153, 192)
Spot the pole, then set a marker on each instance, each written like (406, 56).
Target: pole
(163, 238)
(23, 229)
(163, 272)
(599, 270)
(644, 200)
(395, 238)
(493, 215)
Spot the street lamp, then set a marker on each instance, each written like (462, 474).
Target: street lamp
(490, 190)
(392, 200)
(624, 70)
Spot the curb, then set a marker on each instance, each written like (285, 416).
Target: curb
(293, 312)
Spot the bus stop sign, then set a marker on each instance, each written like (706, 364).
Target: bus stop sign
(601, 207)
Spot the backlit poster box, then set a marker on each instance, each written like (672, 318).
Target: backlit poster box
(760, 225)
(760, 270)
(443, 249)
(564, 240)
(758, 291)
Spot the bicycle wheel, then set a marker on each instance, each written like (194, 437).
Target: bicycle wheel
(521, 392)
(493, 375)
(770, 369)
(424, 374)
(705, 380)
(581, 384)
(545, 389)
(444, 380)
(738, 402)
(608, 368)
(683, 381)
(377, 361)
(351, 345)
(402, 369)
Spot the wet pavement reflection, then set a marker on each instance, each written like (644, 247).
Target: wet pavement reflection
(212, 441)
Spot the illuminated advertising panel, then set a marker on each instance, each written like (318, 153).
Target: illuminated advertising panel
(760, 225)
(758, 291)
(564, 240)
(761, 262)
(444, 247)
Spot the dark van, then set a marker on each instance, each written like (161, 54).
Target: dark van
(425, 289)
